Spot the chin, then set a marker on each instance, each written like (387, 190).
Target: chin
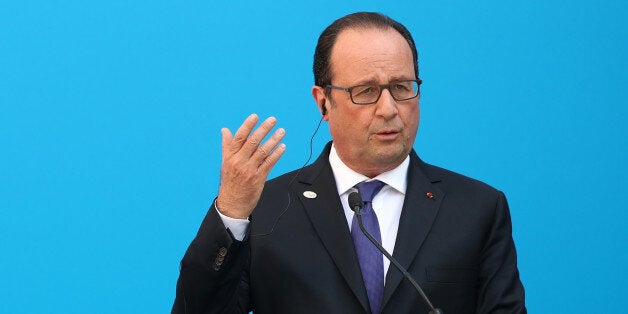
(391, 155)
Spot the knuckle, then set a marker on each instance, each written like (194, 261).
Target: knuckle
(230, 162)
(263, 151)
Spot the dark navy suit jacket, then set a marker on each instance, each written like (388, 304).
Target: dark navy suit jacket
(456, 244)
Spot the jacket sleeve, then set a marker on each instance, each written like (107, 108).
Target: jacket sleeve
(213, 275)
(500, 289)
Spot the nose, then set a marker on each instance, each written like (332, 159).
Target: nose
(386, 105)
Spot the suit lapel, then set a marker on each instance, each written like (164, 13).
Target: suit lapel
(417, 216)
(327, 216)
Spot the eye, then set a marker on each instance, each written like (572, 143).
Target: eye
(402, 86)
(364, 90)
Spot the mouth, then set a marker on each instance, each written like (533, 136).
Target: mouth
(387, 134)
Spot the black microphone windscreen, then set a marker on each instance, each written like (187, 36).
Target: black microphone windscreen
(355, 201)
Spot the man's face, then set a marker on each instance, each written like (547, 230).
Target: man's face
(374, 138)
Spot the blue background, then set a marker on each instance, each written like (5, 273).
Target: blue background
(110, 117)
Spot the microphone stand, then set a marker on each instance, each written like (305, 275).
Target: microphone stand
(405, 273)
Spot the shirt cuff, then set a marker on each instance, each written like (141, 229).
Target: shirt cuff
(238, 227)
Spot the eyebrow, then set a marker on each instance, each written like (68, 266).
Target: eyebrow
(373, 81)
(400, 78)
(369, 81)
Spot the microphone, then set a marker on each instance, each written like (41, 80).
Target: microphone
(355, 203)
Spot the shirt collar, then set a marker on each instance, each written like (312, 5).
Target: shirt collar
(346, 178)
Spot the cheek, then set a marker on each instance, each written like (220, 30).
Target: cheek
(417, 117)
(411, 117)
(351, 123)
(358, 120)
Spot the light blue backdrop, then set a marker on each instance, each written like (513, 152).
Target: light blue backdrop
(110, 117)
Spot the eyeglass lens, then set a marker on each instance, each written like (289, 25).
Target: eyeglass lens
(370, 93)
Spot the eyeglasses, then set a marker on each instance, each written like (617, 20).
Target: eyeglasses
(370, 93)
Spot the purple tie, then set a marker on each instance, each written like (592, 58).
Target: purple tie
(371, 260)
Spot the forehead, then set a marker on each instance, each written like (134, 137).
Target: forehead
(371, 55)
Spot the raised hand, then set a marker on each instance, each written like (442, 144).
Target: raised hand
(245, 165)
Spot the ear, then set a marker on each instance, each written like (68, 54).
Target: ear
(321, 101)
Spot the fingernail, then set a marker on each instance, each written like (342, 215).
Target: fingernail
(271, 120)
(281, 131)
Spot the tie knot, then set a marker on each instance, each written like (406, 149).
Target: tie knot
(369, 189)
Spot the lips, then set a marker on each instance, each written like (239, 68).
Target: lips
(387, 134)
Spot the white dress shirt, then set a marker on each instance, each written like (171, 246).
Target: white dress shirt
(387, 203)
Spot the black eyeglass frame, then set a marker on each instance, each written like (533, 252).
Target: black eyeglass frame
(381, 89)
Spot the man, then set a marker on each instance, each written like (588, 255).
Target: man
(292, 244)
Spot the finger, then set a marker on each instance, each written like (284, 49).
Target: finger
(254, 139)
(227, 137)
(265, 149)
(271, 160)
(243, 133)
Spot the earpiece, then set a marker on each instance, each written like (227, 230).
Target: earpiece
(324, 108)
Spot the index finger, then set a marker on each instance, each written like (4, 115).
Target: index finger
(242, 133)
